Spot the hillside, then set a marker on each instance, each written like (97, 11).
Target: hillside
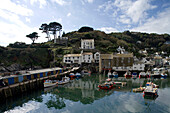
(42, 55)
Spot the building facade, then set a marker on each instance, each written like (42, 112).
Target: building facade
(87, 57)
(87, 43)
(116, 62)
(72, 58)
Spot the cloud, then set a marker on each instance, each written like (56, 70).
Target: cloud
(86, 1)
(27, 20)
(133, 12)
(42, 2)
(108, 29)
(69, 14)
(160, 24)
(9, 6)
(90, 1)
(14, 29)
(61, 2)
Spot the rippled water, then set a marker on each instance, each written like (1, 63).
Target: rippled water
(83, 95)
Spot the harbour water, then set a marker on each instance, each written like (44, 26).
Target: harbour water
(83, 95)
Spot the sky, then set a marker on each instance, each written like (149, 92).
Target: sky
(19, 18)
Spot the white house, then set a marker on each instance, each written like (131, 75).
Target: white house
(138, 67)
(72, 58)
(87, 43)
(87, 57)
(97, 57)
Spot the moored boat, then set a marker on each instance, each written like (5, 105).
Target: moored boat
(64, 81)
(78, 75)
(143, 75)
(115, 74)
(164, 75)
(72, 75)
(120, 83)
(110, 75)
(134, 75)
(128, 74)
(150, 90)
(106, 86)
(49, 83)
(140, 89)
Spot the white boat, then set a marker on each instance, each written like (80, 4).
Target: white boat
(150, 90)
(49, 83)
(78, 75)
(164, 75)
(64, 81)
(115, 74)
(85, 72)
(110, 75)
(143, 75)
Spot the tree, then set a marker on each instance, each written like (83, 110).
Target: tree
(45, 29)
(33, 36)
(63, 34)
(54, 27)
(85, 29)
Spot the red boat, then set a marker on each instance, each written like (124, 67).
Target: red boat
(72, 75)
(106, 86)
(128, 74)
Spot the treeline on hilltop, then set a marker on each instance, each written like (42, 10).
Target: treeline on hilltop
(42, 54)
(131, 41)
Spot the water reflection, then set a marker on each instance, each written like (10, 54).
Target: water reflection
(84, 95)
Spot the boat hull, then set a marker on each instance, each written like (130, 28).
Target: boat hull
(106, 87)
(46, 85)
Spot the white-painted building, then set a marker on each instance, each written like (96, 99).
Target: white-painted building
(72, 58)
(87, 57)
(87, 43)
(97, 57)
(138, 66)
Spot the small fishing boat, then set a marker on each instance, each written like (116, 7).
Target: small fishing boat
(154, 85)
(140, 89)
(164, 75)
(64, 81)
(150, 90)
(78, 75)
(115, 74)
(72, 75)
(156, 74)
(134, 75)
(49, 83)
(110, 75)
(128, 74)
(120, 83)
(85, 72)
(109, 79)
(106, 86)
(143, 75)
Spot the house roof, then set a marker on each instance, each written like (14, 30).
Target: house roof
(87, 53)
(87, 39)
(72, 55)
(124, 55)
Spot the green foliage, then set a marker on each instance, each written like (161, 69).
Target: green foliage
(85, 29)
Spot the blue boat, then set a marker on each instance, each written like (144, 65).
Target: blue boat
(78, 75)
(134, 75)
(115, 74)
(164, 75)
